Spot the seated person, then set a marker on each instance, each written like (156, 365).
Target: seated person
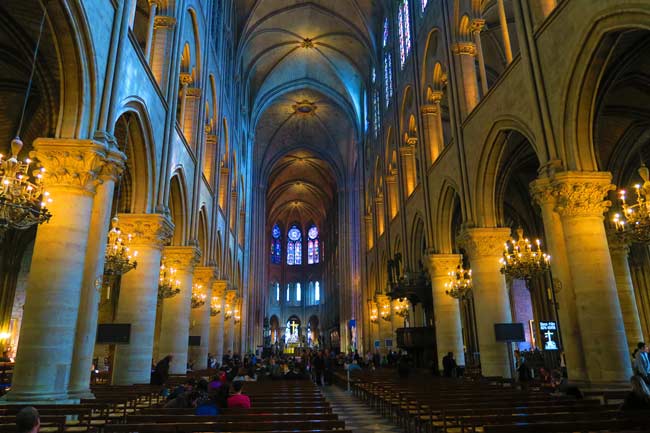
(639, 398)
(183, 401)
(28, 420)
(251, 376)
(205, 404)
(237, 399)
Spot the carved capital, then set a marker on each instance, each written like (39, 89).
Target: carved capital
(439, 265)
(581, 194)
(617, 245)
(465, 48)
(182, 258)
(430, 110)
(476, 25)
(185, 79)
(164, 22)
(114, 167)
(194, 92)
(542, 192)
(204, 275)
(219, 288)
(484, 242)
(392, 178)
(149, 230)
(211, 139)
(70, 163)
(231, 295)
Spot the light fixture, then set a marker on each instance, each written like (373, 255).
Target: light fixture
(374, 311)
(198, 297)
(523, 261)
(119, 259)
(23, 203)
(215, 306)
(401, 307)
(227, 311)
(633, 223)
(168, 285)
(460, 282)
(236, 313)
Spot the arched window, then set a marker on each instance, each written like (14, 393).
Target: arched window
(404, 27)
(294, 246)
(276, 245)
(275, 292)
(313, 246)
(424, 4)
(288, 293)
(317, 292)
(388, 65)
(313, 295)
(298, 293)
(376, 120)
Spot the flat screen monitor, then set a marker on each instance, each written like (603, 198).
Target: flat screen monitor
(113, 333)
(509, 332)
(195, 340)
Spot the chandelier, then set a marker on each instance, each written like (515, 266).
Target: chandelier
(460, 282)
(228, 311)
(236, 314)
(633, 223)
(119, 259)
(401, 307)
(384, 311)
(198, 298)
(521, 260)
(374, 311)
(22, 202)
(168, 285)
(215, 306)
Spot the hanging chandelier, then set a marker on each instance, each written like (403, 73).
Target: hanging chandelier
(119, 259)
(633, 223)
(236, 313)
(23, 202)
(227, 311)
(198, 298)
(401, 307)
(521, 260)
(168, 285)
(460, 282)
(215, 306)
(374, 311)
(384, 309)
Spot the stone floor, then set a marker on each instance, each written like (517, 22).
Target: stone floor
(357, 416)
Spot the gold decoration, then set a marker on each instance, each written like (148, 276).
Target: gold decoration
(523, 261)
(633, 222)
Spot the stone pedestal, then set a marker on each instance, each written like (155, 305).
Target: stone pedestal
(619, 252)
(139, 296)
(84, 346)
(200, 318)
(47, 335)
(580, 205)
(446, 310)
(484, 247)
(174, 328)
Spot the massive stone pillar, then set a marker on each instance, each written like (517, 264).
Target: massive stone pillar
(543, 194)
(580, 205)
(446, 310)
(200, 317)
(139, 296)
(84, 345)
(174, 328)
(217, 322)
(466, 52)
(619, 251)
(484, 247)
(47, 336)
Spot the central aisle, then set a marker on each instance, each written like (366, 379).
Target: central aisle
(357, 416)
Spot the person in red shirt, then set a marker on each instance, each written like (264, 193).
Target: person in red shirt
(237, 399)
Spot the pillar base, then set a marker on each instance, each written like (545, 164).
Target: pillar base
(84, 394)
(37, 398)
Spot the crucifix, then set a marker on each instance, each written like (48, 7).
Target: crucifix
(294, 328)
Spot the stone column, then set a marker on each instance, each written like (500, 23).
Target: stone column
(476, 27)
(484, 247)
(217, 322)
(619, 251)
(505, 34)
(379, 206)
(432, 121)
(232, 212)
(407, 153)
(84, 346)
(580, 205)
(191, 106)
(47, 336)
(393, 194)
(153, 9)
(466, 51)
(163, 28)
(223, 188)
(139, 295)
(446, 310)
(200, 317)
(370, 238)
(229, 323)
(543, 194)
(174, 327)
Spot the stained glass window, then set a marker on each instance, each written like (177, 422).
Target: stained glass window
(424, 4)
(294, 246)
(313, 253)
(277, 292)
(388, 77)
(404, 27)
(373, 75)
(386, 34)
(288, 292)
(376, 120)
(298, 293)
(276, 246)
(317, 292)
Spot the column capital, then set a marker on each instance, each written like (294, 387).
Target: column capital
(409, 146)
(231, 295)
(466, 48)
(165, 22)
(581, 194)
(148, 229)
(379, 199)
(114, 167)
(71, 163)
(193, 91)
(185, 78)
(211, 138)
(204, 275)
(184, 258)
(481, 242)
(430, 109)
(542, 192)
(616, 244)
(439, 265)
(476, 25)
(219, 287)
(392, 177)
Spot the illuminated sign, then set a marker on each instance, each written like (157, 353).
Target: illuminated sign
(549, 333)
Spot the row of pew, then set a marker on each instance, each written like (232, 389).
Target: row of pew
(426, 404)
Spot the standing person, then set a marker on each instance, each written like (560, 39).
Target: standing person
(523, 372)
(161, 371)
(319, 366)
(237, 399)
(449, 365)
(642, 362)
(28, 420)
